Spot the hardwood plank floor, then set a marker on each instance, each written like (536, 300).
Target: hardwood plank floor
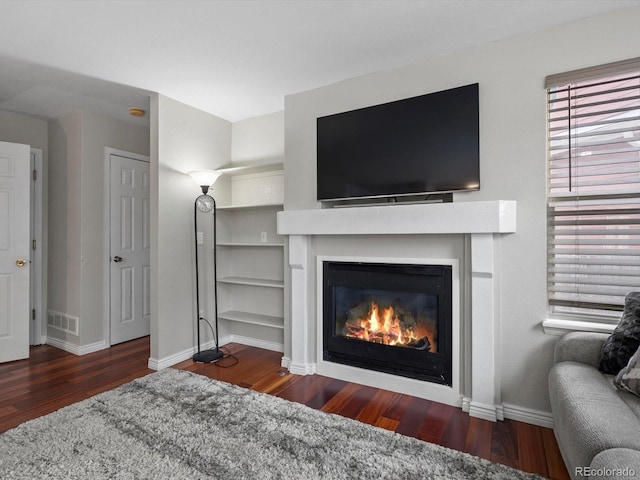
(51, 379)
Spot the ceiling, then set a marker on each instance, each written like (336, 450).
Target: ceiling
(236, 59)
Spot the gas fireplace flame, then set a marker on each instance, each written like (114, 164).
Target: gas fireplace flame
(383, 325)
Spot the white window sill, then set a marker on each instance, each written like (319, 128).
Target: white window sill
(560, 326)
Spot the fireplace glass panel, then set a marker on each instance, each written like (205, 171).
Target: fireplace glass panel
(398, 319)
(392, 318)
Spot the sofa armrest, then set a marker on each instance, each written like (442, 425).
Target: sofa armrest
(581, 347)
(615, 463)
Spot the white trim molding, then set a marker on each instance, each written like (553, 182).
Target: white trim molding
(162, 363)
(495, 216)
(528, 415)
(560, 326)
(159, 364)
(303, 368)
(299, 369)
(38, 273)
(76, 349)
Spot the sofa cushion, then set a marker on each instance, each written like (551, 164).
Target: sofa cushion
(632, 401)
(589, 415)
(629, 377)
(625, 339)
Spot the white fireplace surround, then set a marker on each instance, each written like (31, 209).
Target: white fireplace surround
(483, 222)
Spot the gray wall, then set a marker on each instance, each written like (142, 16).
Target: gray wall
(183, 138)
(511, 75)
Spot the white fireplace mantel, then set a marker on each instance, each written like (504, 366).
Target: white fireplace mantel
(498, 216)
(483, 222)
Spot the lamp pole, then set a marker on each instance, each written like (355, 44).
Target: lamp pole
(205, 203)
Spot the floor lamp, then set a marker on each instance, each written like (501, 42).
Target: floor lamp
(205, 203)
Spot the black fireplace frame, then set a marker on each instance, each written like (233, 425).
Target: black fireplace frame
(407, 362)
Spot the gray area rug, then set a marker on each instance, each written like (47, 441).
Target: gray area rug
(178, 425)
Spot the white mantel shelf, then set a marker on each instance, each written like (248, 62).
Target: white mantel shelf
(495, 216)
(483, 222)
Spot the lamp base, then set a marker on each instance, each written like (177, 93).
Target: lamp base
(207, 356)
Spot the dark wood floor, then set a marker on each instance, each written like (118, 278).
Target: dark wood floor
(52, 378)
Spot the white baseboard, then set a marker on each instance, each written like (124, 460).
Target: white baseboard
(285, 362)
(512, 412)
(159, 364)
(483, 411)
(302, 368)
(528, 415)
(166, 362)
(76, 349)
(298, 368)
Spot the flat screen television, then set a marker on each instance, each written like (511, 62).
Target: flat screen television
(419, 145)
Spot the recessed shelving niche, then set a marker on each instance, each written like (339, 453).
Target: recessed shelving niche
(251, 257)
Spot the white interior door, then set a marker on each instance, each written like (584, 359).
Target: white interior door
(14, 251)
(130, 249)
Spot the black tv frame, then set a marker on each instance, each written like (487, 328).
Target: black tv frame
(414, 147)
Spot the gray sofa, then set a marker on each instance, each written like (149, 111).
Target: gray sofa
(597, 425)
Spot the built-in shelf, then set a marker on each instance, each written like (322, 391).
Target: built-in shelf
(256, 282)
(249, 207)
(250, 272)
(253, 167)
(251, 244)
(252, 318)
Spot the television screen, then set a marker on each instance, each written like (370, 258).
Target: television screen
(419, 145)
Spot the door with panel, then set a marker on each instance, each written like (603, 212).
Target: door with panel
(130, 249)
(15, 213)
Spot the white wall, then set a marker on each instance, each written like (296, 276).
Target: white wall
(17, 128)
(258, 139)
(183, 138)
(513, 151)
(65, 166)
(76, 208)
(99, 132)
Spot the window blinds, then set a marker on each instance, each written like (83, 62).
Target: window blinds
(593, 189)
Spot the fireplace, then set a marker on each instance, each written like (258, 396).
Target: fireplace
(466, 235)
(392, 318)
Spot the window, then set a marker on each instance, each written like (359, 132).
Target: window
(593, 194)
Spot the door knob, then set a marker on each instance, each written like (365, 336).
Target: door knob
(117, 259)
(20, 262)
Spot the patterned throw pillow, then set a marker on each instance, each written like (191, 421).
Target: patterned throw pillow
(629, 377)
(625, 339)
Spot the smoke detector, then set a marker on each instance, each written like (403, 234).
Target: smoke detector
(137, 112)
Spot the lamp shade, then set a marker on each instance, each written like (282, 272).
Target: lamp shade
(204, 177)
